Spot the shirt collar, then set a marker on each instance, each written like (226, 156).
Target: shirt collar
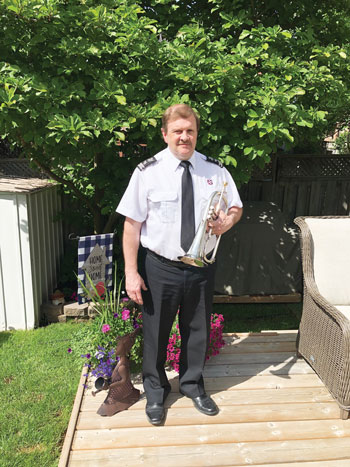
(174, 162)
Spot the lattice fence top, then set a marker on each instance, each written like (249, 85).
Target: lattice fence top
(263, 174)
(18, 168)
(314, 167)
(305, 166)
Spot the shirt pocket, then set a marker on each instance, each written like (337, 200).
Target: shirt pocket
(204, 194)
(165, 205)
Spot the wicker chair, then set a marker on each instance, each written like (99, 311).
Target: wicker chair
(324, 332)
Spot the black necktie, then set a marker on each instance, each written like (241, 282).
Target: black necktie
(187, 205)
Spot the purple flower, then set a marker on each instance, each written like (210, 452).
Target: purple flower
(115, 315)
(69, 350)
(99, 355)
(87, 355)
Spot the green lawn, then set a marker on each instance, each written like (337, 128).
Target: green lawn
(38, 383)
(256, 317)
(39, 380)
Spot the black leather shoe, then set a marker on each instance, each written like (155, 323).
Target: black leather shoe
(205, 404)
(155, 413)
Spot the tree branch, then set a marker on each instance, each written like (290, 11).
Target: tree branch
(110, 222)
(68, 183)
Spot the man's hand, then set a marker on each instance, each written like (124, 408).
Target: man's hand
(133, 281)
(133, 285)
(223, 222)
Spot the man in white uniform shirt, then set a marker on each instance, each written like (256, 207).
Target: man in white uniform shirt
(153, 207)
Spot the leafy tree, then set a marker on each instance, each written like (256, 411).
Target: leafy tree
(83, 81)
(265, 76)
(74, 80)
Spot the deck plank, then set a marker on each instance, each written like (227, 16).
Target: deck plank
(181, 435)
(228, 414)
(235, 398)
(274, 411)
(233, 454)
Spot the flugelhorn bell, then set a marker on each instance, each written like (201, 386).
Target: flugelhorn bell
(204, 241)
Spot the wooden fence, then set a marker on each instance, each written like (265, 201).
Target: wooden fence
(303, 185)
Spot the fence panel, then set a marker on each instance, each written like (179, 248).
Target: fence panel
(302, 185)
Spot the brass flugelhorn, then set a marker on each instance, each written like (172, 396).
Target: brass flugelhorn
(196, 255)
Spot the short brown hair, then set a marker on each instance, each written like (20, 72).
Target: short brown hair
(179, 111)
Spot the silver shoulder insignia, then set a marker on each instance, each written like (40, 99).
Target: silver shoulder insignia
(214, 161)
(146, 163)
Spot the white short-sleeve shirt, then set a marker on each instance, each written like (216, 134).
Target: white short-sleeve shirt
(153, 197)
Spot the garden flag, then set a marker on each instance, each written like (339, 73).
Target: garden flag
(95, 255)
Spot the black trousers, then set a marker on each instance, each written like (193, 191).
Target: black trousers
(171, 288)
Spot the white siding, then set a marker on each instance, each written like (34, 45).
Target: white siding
(31, 246)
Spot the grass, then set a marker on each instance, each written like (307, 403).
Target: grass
(39, 380)
(256, 317)
(38, 383)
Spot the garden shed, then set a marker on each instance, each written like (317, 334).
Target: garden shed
(31, 244)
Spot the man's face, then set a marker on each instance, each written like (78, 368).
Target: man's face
(181, 137)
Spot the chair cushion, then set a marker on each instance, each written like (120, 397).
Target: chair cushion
(344, 309)
(331, 258)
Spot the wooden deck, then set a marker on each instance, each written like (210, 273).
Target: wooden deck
(274, 411)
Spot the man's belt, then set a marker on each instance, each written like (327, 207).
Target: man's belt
(170, 262)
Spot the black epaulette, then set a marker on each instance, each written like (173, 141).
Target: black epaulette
(214, 161)
(146, 163)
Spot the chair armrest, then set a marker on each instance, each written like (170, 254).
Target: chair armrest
(310, 286)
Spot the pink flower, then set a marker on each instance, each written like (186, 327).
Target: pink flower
(105, 328)
(125, 314)
(125, 299)
(216, 342)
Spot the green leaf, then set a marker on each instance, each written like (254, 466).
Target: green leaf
(200, 42)
(229, 160)
(28, 137)
(247, 150)
(120, 99)
(285, 132)
(251, 123)
(120, 135)
(244, 34)
(252, 113)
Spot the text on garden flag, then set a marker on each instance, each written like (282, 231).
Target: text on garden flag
(95, 254)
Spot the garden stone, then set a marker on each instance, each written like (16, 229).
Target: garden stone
(76, 310)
